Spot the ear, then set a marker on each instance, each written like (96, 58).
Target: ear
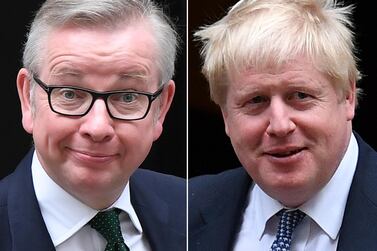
(165, 101)
(225, 118)
(23, 88)
(350, 99)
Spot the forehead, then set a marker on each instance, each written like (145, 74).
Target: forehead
(100, 48)
(298, 73)
(296, 67)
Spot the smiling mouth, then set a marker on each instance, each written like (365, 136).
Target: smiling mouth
(285, 154)
(92, 156)
(96, 155)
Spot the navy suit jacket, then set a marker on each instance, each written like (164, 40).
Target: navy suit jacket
(159, 201)
(217, 203)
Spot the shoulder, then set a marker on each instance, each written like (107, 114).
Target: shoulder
(3, 196)
(366, 151)
(19, 179)
(232, 184)
(4, 219)
(13, 185)
(160, 179)
(366, 171)
(168, 187)
(217, 196)
(206, 183)
(4, 188)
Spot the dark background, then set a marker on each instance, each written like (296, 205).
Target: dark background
(168, 154)
(209, 149)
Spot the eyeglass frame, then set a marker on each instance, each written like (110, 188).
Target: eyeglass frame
(97, 95)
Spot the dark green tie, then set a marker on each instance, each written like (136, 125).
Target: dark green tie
(108, 225)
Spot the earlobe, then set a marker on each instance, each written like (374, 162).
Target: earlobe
(23, 88)
(165, 101)
(351, 101)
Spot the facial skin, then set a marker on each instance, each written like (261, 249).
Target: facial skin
(289, 127)
(92, 157)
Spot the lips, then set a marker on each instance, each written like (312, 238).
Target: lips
(284, 152)
(96, 154)
(92, 156)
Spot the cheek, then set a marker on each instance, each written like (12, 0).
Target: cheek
(136, 139)
(245, 131)
(330, 141)
(53, 135)
(50, 140)
(328, 129)
(246, 136)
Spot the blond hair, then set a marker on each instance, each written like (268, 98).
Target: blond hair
(261, 33)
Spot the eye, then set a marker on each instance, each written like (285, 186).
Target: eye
(129, 97)
(299, 96)
(258, 100)
(67, 93)
(255, 104)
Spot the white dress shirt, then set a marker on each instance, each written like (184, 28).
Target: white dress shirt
(319, 230)
(66, 217)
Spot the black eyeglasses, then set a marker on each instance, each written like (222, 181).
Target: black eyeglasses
(76, 101)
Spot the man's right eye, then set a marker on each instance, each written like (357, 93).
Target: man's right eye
(68, 93)
(258, 100)
(129, 97)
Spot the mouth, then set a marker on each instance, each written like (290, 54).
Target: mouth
(89, 156)
(96, 155)
(282, 153)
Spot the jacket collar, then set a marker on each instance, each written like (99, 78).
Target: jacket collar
(358, 231)
(26, 224)
(155, 216)
(221, 220)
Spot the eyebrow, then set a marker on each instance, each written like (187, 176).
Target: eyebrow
(134, 75)
(128, 72)
(78, 75)
(57, 71)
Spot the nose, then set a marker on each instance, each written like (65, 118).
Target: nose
(97, 125)
(280, 120)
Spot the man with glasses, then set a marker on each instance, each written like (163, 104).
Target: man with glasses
(94, 91)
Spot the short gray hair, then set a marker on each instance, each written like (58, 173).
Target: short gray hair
(102, 13)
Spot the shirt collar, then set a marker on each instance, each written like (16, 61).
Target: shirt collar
(264, 208)
(326, 208)
(63, 214)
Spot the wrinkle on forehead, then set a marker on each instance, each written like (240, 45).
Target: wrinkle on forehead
(128, 52)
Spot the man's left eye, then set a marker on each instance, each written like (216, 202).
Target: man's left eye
(68, 94)
(300, 95)
(129, 97)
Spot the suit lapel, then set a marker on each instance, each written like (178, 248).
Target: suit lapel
(27, 227)
(359, 231)
(222, 215)
(154, 215)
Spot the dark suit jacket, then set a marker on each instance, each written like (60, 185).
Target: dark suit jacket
(159, 201)
(217, 203)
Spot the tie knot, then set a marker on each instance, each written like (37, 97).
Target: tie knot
(289, 219)
(108, 225)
